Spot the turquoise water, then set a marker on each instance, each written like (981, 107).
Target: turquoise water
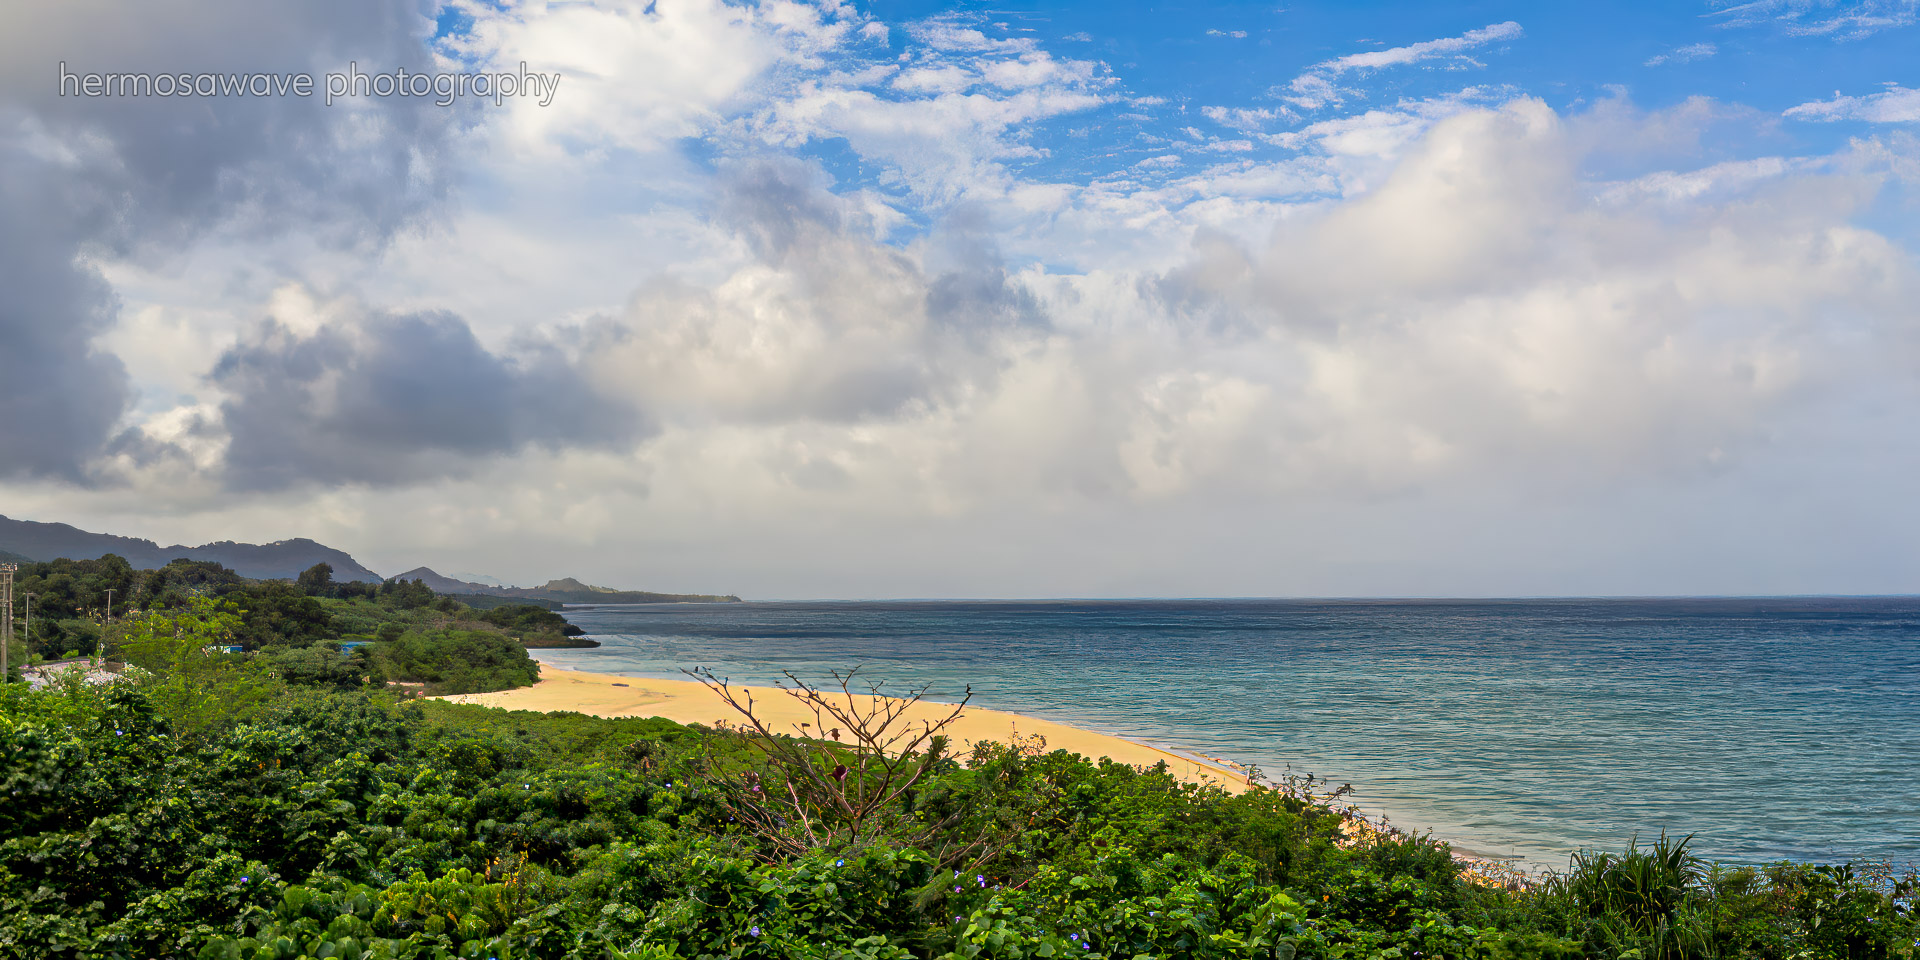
(1770, 729)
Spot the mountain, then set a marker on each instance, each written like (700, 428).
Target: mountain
(440, 584)
(24, 541)
(282, 559)
(567, 590)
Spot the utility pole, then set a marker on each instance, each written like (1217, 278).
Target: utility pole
(27, 631)
(109, 604)
(6, 624)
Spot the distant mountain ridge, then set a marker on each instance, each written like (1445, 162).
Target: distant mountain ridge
(280, 560)
(23, 541)
(566, 590)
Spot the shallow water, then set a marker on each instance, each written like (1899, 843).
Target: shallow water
(1783, 728)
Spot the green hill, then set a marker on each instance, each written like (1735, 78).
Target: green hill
(566, 590)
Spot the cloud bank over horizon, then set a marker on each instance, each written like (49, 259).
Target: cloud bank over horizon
(784, 299)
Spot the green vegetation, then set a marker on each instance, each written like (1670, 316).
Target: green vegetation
(457, 661)
(311, 631)
(213, 806)
(481, 601)
(569, 590)
(537, 626)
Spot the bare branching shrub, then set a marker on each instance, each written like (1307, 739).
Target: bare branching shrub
(854, 776)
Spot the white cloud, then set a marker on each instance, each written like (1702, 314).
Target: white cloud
(642, 78)
(1445, 47)
(1835, 19)
(1686, 54)
(963, 377)
(1896, 104)
(1242, 118)
(1318, 87)
(1678, 186)
(947, 35)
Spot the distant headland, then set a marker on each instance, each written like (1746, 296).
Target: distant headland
(30, 541)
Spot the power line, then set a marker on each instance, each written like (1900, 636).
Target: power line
(6, 623)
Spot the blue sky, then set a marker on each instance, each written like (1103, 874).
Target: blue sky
(802, 299)
(1244, 56)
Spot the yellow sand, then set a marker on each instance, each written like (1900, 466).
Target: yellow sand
(686, 701)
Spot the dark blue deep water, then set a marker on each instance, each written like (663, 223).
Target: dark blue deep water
(1776, 728)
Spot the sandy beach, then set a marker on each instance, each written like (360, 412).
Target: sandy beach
(686, 701)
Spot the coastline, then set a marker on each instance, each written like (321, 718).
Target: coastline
(688, 701)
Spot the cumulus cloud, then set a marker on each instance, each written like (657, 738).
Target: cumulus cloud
(132, 177)
(390, 399)
(1476, 312)
(1477, 308)
(641, 77)
(1896, 104)
(821, 322)
(938, 131)
(829, 285)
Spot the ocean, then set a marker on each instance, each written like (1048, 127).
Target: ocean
(1766, 728)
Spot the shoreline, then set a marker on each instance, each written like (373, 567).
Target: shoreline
(688, 701)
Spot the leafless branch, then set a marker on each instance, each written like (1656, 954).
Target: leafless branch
(850, 777)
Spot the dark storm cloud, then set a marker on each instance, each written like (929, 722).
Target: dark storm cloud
(397, 399)
(60, 396)
(141, 176)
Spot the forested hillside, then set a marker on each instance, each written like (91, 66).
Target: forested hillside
(351, 633)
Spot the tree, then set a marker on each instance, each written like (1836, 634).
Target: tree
(317, 581)
(191, 679)
(277, 613)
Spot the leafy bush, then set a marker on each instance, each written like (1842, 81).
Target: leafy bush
(524, 618)
(349, 823)
(456, 661)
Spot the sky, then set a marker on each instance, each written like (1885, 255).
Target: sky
(820, 300)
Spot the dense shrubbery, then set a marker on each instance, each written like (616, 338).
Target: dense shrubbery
(536, 626)
(522, 618)
(292, 631)
(139, 823)
(456, 661)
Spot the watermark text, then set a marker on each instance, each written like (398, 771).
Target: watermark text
(445, 89)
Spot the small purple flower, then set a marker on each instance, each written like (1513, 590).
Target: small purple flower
(1073, 936)
(243, 879)
(754, 930)
(839, 863)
